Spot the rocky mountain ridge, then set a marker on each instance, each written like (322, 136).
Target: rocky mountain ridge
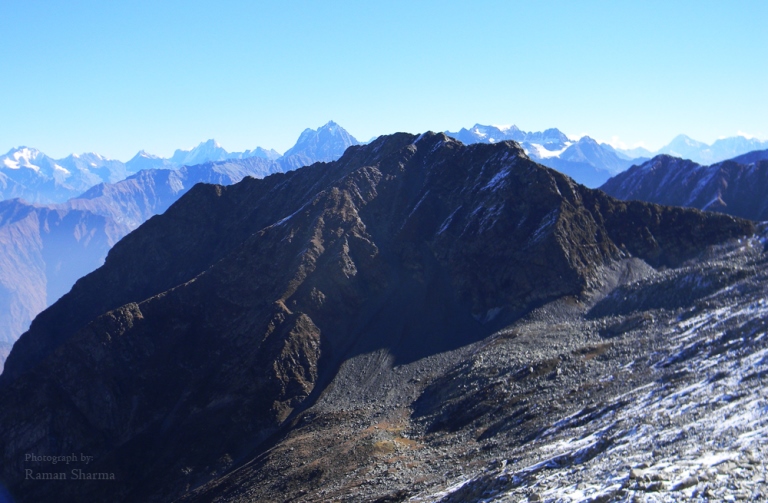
(243, 307)
(45, 249)
(735, 187)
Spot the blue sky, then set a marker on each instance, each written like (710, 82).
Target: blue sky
(114, 77)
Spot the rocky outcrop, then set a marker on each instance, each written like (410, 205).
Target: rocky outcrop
(210, 327)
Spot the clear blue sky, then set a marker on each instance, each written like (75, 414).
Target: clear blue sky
(118, 76)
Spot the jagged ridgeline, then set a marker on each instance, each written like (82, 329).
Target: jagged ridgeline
(210, 325)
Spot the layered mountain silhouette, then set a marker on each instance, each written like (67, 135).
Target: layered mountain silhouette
(586, 161)
(589, 162)
(592, 163)
(722, 149)
(735, 187)
(208, 328)
(29, 174)
(45, 249)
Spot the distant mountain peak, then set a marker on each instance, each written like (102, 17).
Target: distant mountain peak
(684, 138)
(210, 143)
(23, 151)
(326, 143)
(143, 154)
(588, 140)
(205, 151)
(585, 160)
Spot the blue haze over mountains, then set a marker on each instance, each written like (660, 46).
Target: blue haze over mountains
(45, 248)
(59, 218)
(592, 163)
(398, 289)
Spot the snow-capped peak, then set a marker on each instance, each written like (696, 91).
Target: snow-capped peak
(22, 157)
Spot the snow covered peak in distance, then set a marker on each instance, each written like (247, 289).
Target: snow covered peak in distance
(586, 161)
(206, 151)
(144, 160)
(270, 154)
(30, 174)
(551, 139)
(685, 147)
(24, 157)
(326, 143)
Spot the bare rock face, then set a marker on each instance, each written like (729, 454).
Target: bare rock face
(212, 326)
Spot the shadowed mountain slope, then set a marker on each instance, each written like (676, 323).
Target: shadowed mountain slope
(736, 187)
(208, 327)
(44, 249)
(115, 209)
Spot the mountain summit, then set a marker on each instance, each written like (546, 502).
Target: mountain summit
(44, 249)
(326, 143)
(206, 151)
(211, 327)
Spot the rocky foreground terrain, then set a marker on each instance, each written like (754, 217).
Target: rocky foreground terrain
(420, 320)
(651, 389)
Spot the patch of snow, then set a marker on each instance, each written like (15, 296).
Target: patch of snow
(448, 221)
(546, 222)
(543, 153)
(10, 164)
(497, 180)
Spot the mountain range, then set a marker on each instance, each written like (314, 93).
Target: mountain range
(375, 328)
(736, 187)
(29, 174)
(585, 160)
(721, 150)
(44, 249)
(592, 163)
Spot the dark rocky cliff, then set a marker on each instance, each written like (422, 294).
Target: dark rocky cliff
(208, 327)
